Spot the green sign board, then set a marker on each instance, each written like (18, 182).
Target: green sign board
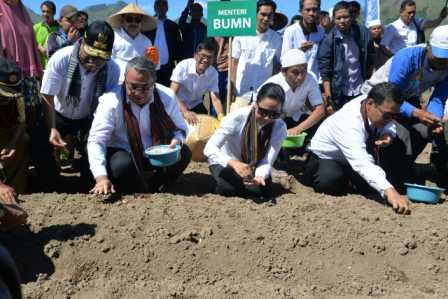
(231, 18)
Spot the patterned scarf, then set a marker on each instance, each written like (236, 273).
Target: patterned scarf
(74, 81)
(371, 134)
(253, 152)
(162, 127)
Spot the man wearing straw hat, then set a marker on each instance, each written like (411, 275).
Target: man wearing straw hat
(128, 25)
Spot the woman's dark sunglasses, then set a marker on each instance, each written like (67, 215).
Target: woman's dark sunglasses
(272, 114)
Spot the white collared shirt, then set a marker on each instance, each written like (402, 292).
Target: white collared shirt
(256, 56)
(225, 143)
(194, 86)
(342, 137)
(109, 129)
(125, 48)
(398, 35)
(54, 83)
(294, 105)
(160, 43)
(293, 38)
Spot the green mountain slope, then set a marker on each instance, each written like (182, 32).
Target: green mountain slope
(96, 12)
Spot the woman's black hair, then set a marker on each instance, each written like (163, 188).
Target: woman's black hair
(273, 91)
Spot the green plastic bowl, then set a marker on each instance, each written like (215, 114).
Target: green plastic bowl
(294, 141)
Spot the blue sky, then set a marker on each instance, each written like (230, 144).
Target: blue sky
(288, 7)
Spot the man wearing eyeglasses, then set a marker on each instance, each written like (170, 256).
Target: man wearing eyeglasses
(75, 78)
(193, 78)
(129, 41)
(136, 115)
(346, 152)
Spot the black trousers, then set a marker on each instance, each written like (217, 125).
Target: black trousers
(338, 178)
(42, 152)
(126, 179)
(199, 109)
(229, 183)
(164, 74)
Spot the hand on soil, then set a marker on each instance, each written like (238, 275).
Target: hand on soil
(242, 169)
(103, 186)
(399, 203)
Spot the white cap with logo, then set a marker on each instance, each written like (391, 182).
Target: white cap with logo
(439, 42)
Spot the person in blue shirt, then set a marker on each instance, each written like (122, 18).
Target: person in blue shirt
(415, 70)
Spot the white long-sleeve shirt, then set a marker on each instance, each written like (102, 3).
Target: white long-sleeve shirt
(225, 143)
(343, 137)
(109, 130)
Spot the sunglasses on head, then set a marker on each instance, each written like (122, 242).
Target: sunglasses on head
(130, 19)
(271, 114)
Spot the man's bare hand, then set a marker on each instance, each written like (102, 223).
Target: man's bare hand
(191, 117)
(56, 139)
(242, 169)
(399, 203)
(103, 186)
(7, 194)
(7, 153)
(384, 140)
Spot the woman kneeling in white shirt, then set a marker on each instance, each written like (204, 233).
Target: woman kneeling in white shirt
(240, 160)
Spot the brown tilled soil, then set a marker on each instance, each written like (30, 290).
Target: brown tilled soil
(196, 244)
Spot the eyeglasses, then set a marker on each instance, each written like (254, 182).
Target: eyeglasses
(130, 19)
(205, 56)
(143, 88)
(387, 116)
(271, 114)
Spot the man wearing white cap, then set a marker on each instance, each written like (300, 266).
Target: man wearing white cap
(377, 53)
(299, 86)
(416, 70)
(409, 30)
(128, 25)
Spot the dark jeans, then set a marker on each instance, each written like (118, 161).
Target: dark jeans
(335, 177)
(164, 74)
(415, 136)
(199, 109)
(229, 183)
(125, 177)
(42, 152)
(343, 99)
(222, 83)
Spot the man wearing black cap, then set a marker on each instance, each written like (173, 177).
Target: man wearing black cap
(75, 78)
(13, 139)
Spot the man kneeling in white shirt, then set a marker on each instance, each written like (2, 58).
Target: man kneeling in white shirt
(136, 115)
(345, 148)
(194, 77)
(240, 160)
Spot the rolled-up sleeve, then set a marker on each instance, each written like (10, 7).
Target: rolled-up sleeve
(53, 76)
(212, 149)
(279, 133)
(100, 133)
